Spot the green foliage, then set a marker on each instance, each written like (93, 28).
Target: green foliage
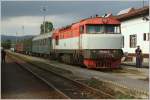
(48, 27)
(124, 97)
(6, 44)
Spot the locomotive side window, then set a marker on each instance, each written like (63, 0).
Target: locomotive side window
(95, 28)
(81, 29)
(106, 29)
(112, 29)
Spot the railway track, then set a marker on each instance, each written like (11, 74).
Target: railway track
(56, 93)
(136, 93)
(66, 87)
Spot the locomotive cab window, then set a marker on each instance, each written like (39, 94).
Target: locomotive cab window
(112, 29)
(94, 28)
(105, 29)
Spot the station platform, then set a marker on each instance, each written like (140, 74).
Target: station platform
(17, 83)
(132, 63)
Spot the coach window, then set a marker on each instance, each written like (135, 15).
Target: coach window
(82, 29)
(57, 40)
(44, 42)
(41, 42)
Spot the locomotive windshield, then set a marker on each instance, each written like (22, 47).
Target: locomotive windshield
(105, 29)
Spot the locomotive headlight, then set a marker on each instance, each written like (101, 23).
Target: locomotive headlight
(94, 51)
(104, 51)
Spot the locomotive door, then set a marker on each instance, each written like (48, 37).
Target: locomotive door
(80, 41)
(80, 36)
(56, 42)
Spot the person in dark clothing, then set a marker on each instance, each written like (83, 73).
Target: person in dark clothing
(139, 57)
(3, 54)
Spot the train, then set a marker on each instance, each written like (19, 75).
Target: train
(24, 46)
(95, 43)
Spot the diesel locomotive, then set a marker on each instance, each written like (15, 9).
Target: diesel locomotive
(93, 42)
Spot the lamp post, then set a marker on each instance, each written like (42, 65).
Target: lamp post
(44, 15)
(23, 29)
(143, 3)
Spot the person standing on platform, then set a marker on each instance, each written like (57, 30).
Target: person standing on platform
(3, 55)
(139, 58)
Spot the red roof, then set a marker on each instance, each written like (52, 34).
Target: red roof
(134, 13)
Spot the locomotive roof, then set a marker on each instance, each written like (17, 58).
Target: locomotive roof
(93, 20)
(42, 36)
(99, 20)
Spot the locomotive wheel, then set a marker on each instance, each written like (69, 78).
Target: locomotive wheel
(78, 59)
(67, 58)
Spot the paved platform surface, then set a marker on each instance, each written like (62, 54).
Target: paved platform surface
(88, 73)
(144, 64)
(17, 83)
(145, 71)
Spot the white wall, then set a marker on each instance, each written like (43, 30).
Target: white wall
(91, 41)
(135, 26)
(102, 41)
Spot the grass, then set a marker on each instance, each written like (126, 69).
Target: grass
(102, 86)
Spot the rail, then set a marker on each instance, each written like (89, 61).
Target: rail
(69, 88)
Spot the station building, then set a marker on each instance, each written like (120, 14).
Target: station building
(135, 28)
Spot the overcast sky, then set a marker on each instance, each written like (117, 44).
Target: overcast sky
(16, 14)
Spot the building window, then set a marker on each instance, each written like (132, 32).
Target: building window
(146, 36)
(133, 40)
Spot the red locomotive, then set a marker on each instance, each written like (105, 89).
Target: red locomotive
(94, 42)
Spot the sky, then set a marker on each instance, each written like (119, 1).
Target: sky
(28, 14)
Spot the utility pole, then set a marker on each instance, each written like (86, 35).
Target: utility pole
(23, 29)
(16, 37)
(44, 15)
(16, 41)
(143, 3)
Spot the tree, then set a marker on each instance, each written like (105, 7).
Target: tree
(6, 44)
(48, 27)
(42, 29)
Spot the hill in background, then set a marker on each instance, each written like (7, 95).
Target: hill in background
(13, 38)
